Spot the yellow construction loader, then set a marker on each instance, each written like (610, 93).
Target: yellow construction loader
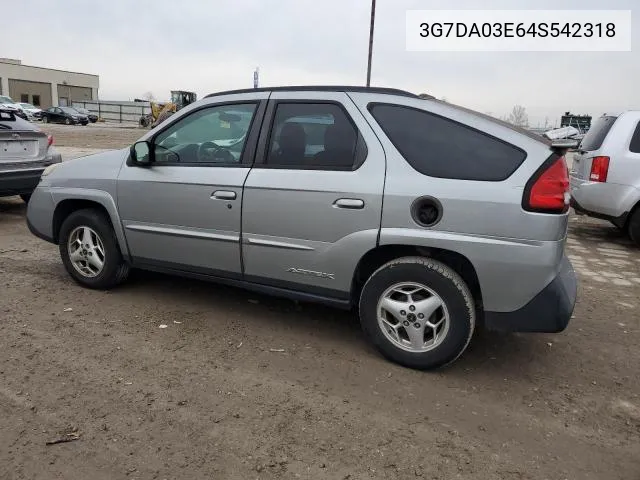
(161, 111)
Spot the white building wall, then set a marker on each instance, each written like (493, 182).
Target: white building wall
(47, 75)
(4, 84)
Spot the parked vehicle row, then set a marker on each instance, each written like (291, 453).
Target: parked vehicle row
(61, 114)
(416, 213)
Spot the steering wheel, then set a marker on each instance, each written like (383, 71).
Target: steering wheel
(210, 152)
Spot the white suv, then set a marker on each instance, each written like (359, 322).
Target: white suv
(605, 176)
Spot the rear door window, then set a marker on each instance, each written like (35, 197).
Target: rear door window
(597, 133)
(312, 136)
(439, 147)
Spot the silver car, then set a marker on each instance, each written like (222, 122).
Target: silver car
(605, 176)
(25, 151)
(426, 218)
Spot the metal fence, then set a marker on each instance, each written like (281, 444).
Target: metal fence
(120, 112)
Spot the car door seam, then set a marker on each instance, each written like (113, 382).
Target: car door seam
(384, 179)
(246, 177)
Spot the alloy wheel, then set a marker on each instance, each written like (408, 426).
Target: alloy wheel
(413, 317)
(86, 251)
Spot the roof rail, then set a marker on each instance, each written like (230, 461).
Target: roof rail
(322, 88)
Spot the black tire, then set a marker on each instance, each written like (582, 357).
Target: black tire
(633, 227)
(25, 197)
(67, 121)
(45, 119)
(442, 280)
(115, 270)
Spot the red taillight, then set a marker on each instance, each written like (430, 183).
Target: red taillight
(50, 140)
(599, 169)
(549, 192)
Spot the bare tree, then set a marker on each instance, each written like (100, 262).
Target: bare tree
(518, 116)
(149, 96)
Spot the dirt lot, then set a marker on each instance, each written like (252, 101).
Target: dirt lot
(94, 135)
(207, 397)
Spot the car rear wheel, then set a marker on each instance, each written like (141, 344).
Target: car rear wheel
(634, 226)
(45, 119)
(417, 312)
(89, 250)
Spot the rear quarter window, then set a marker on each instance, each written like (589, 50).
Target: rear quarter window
(634, 146)
(597, 133)
(442, 148)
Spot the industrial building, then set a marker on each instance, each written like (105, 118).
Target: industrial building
(45, 87)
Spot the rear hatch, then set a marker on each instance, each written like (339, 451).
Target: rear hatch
(588, 148)
(22, 145)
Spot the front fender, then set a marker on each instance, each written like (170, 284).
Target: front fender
(100, 197)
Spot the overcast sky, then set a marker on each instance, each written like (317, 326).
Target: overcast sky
(209, 45)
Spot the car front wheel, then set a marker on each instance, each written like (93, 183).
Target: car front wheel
(418, 312)
(67, 121)
(89, 250)
(45, 120)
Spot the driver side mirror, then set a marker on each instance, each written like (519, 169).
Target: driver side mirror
(141, 154)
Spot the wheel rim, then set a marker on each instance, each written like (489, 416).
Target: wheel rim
(413, 317)
(86, 251)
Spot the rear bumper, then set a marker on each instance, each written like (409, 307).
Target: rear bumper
(19, 182)
(619, 221)
(604, 200)
(549, 311)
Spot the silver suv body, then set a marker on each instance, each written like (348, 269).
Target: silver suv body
(427, 218)
(605, 175)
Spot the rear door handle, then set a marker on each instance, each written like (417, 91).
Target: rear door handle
(223, 195)
(352, 203)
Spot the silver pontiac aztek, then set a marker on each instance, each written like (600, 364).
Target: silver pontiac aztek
(426, 218)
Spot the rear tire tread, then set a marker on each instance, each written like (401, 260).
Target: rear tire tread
(448, 273)
(633, 228)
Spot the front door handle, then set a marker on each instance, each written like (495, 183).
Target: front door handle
(223, 195)
(352, 203)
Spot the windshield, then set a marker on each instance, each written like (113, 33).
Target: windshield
(69, 110)
(26, 105)
(5, 99)
(597, 133)
(82, 110)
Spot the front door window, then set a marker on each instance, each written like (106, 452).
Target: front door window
(211, 135)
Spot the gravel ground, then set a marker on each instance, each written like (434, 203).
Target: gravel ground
(212, 395)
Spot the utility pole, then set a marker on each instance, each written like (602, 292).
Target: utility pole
(373, 17)
(255, 77)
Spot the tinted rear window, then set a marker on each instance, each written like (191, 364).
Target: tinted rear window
(597, 133)
(442, 148)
